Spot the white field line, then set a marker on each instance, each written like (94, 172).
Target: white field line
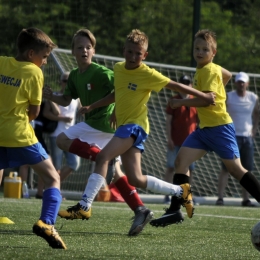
(200, 215)
(28, 201)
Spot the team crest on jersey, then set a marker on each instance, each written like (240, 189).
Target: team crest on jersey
(89, 86)
(132, 86)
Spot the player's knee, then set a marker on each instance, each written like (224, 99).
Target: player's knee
(51, 180)
(63, 142)
(177, 163)
(102, 158)
(137, 182)
(59, 140)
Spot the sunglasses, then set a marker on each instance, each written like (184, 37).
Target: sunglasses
(64, 80)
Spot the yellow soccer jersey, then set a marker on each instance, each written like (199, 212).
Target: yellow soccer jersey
(20, 86)
(209, 78)
(132, 92)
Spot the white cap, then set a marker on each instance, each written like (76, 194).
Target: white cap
(242, 76)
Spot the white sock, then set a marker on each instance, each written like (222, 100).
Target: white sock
(94, 184)
(165, 188)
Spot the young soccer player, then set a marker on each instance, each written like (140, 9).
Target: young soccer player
(21, 83)
(91, 82)
(133, 83)
(216, 131)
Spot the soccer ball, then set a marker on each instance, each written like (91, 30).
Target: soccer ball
(255, 236)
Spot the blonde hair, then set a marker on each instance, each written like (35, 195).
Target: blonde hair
(86, 33)
(138, 37)
(35, 39)
(208, 36)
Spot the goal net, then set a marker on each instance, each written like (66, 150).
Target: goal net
(205, 177)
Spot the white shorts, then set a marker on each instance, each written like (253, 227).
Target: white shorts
(88, 134)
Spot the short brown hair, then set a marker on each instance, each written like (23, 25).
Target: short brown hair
(208, 36)
(138, 37)
(35, 39)
(86, 33)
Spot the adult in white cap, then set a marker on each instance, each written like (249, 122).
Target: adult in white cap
(242, 106)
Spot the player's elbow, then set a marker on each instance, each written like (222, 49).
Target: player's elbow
(32, 115)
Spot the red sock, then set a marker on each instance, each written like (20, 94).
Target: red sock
(129, 193)
(84, 150)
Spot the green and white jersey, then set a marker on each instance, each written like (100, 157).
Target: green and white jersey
(90, 86)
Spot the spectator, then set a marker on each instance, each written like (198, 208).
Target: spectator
(69, 114)
(180, 122)
(1, 175)
(242, 106)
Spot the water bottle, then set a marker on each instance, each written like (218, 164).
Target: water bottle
(25, 190)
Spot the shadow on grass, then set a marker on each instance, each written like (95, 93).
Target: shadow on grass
(17, 232)
(66, 233)
(71, 233)
(11, 247)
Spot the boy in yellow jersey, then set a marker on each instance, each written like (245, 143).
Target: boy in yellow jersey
(216, 131)
(21, 83)
(91, 82)
(133, 83)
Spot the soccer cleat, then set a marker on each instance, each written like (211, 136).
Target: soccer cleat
(247, 203)
(49, 233)
(186, 199)
(75, 212)
(220, 202)
(168, 218)
(141, 218)
(111, 171)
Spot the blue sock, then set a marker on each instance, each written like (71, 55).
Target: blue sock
(50, 205)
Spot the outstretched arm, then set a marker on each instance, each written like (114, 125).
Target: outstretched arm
(107, 100)
(188, 102)
(62, 100)
(208, 98)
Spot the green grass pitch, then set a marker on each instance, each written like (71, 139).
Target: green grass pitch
(213, 233)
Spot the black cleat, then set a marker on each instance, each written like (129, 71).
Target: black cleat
(141, 218)
(168, 218)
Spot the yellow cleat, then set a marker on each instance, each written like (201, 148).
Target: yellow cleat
(186, 199)
(49, 233)
(75, 212)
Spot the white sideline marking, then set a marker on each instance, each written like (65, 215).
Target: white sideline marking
(28, 201)
(200, 215)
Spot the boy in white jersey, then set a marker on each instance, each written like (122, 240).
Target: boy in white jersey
(133, 83)
(242, 105)
(216, 131)
(21, 84)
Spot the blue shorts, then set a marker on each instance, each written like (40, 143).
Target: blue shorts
(11, 157)
(133, 130)
(220, 139)
(246, 149)
(72, 160)
(171, 157)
